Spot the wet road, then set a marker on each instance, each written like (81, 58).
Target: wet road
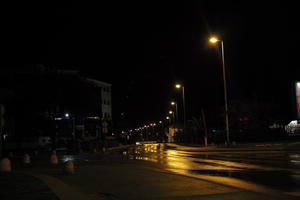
(278, 170)
(256, 171)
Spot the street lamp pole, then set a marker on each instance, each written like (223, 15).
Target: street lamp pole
(169, 122)
(184, 111)
(173, 117)
(178, 86)
(225, 93)
(173, 103)
(215, 40)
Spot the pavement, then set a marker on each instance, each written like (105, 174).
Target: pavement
(20, 186)
(123, 180)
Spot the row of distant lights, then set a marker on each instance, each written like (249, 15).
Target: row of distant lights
(177, 86)
(144, 127)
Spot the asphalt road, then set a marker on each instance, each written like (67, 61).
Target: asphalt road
(274, 169)
(154, 171)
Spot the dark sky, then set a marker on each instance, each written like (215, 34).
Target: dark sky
(144, 47)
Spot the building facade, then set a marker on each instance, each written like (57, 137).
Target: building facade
(106, 100)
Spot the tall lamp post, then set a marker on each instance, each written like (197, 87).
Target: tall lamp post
(179, 86)
(173, 103)
(169, 122)
(173, 117)
(216, 40)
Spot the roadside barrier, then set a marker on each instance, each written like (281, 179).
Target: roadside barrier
(5, 165)
(26, 159)
(68, 167)
(54, 159)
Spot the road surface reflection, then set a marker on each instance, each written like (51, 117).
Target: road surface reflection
(276, 170)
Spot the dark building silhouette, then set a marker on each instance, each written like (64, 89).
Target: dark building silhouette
(58, 103)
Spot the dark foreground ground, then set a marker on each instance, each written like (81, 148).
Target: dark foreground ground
(161, 171)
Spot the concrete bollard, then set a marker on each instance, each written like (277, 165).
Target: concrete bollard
(5, 165)
(26, 159)
(68, 167)
(54, 159)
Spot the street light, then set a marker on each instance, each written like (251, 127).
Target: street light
(216, 40)
(173, 117)
(173, 103)
(179, 86)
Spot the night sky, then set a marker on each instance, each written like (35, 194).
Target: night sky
(144, 47)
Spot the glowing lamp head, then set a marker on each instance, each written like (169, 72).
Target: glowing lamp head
(213, 40)
(170, 112)
(173, 103)
(67, 115)
(178, 86)
(167, 117)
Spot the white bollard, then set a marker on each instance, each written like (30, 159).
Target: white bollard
(5, 165)
(26, 159)
(69, 167)
(54, 159)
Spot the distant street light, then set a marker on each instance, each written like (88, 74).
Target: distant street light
(173, 117)
(179, 86)
(216, 40)
(169, 123)
(173, 103)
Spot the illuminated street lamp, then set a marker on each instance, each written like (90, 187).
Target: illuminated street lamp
(216, 40)
(173, 103)
(173, 117)
(179, 86)
(169, 123)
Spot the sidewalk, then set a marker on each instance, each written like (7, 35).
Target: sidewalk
(19, 186)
